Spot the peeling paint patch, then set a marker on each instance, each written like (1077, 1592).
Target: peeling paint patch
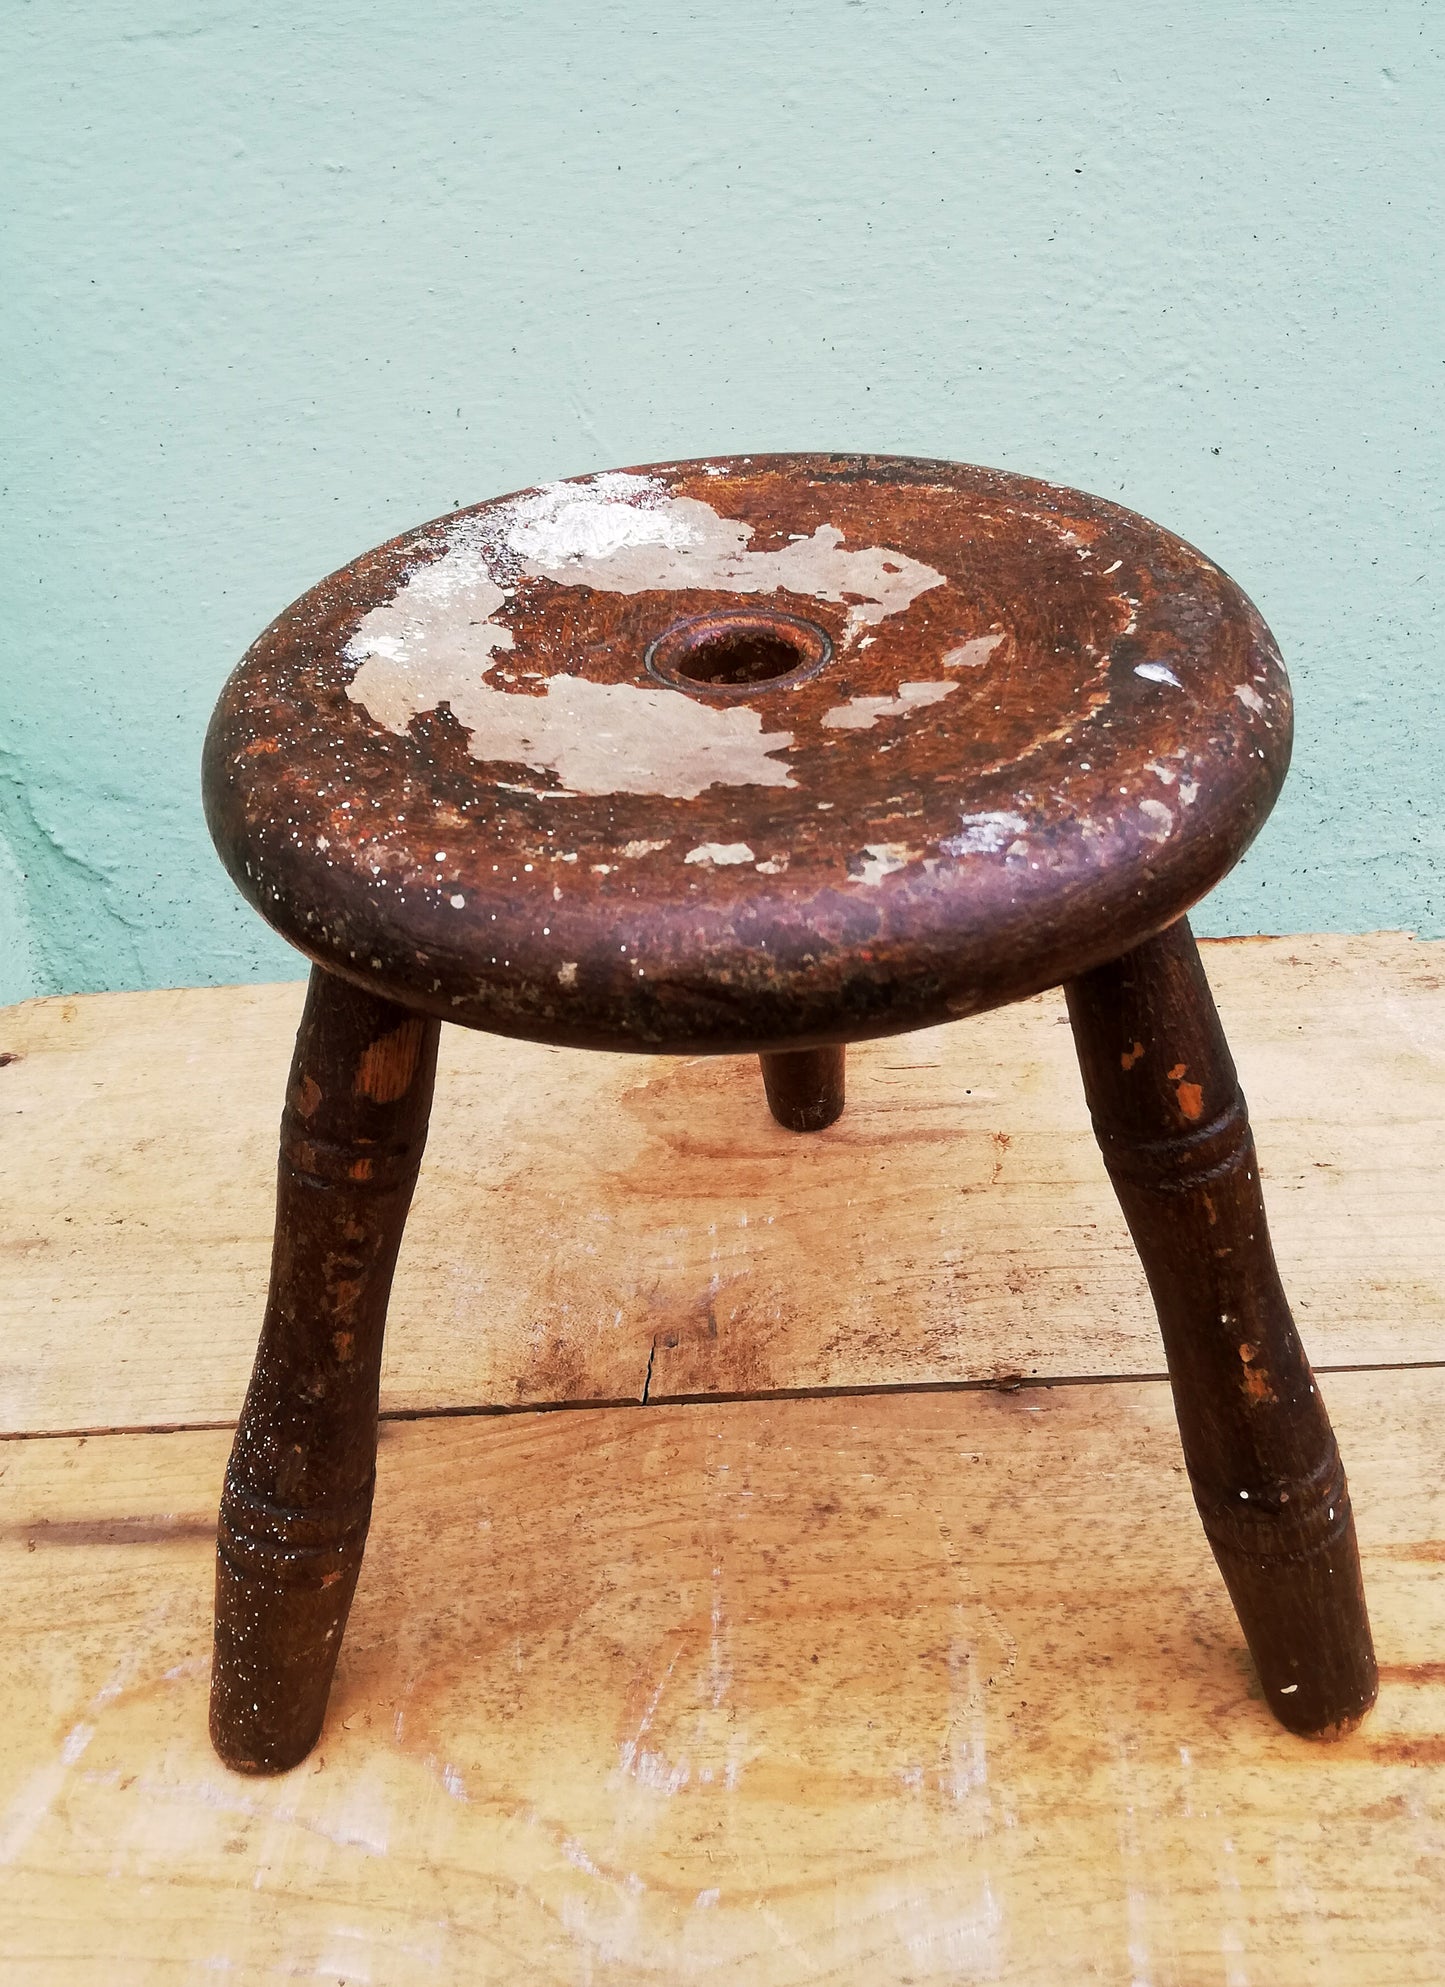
(627, 535)
(1249, 697)
(877, 860)
(719, 855)
(598, 738)
(1159, 818)
(983, 834)
(434, 640)
(862, 713)
(972, 654)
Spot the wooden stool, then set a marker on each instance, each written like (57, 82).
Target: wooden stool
(762, 755)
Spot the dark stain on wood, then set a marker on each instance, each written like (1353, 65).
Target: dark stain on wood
(161, 1529)
(1414, 1673)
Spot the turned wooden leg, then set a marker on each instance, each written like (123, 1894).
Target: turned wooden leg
(805, 1086)
(297, 1497)
(1262, 1459)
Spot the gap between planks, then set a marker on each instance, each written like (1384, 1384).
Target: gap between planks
(482, 1410)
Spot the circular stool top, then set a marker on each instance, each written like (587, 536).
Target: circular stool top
(748, 753)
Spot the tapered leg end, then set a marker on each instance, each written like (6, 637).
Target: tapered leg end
(275, 1654)
(805, 1087)
(1303, 1614)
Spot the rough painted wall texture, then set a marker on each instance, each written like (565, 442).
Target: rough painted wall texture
(283, 280)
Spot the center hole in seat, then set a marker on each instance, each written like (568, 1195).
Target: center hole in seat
(737, 651)
(739, 655)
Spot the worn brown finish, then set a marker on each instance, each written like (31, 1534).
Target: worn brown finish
(297, 1498)
(1050, 808)
(805, 1087)
(1267, 1477)
(769, 754)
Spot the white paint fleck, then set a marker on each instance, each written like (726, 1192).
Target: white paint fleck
(705, 1899)
(632, 850)
(1249, 697)
(457, 901)
(567, 973)
(774, 866)
(879, 859)
(862, 713)
(719, 854)
(983, 834)
(972, 654)
(1160, 819)
(1157, 672)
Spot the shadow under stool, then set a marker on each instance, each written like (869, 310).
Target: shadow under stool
(759, 755)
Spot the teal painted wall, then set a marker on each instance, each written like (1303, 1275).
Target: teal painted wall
(281, 279)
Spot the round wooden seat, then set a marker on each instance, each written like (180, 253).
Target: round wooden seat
(748, 753)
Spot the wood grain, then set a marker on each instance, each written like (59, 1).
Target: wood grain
(897, 1688)
(581, 1216)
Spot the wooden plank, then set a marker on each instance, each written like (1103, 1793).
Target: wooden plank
(880, 1689)
(582, 1216)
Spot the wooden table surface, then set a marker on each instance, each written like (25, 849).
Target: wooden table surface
(779, 1655)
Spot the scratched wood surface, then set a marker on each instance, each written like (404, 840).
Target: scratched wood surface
(583, 1218)
(900, 1688)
